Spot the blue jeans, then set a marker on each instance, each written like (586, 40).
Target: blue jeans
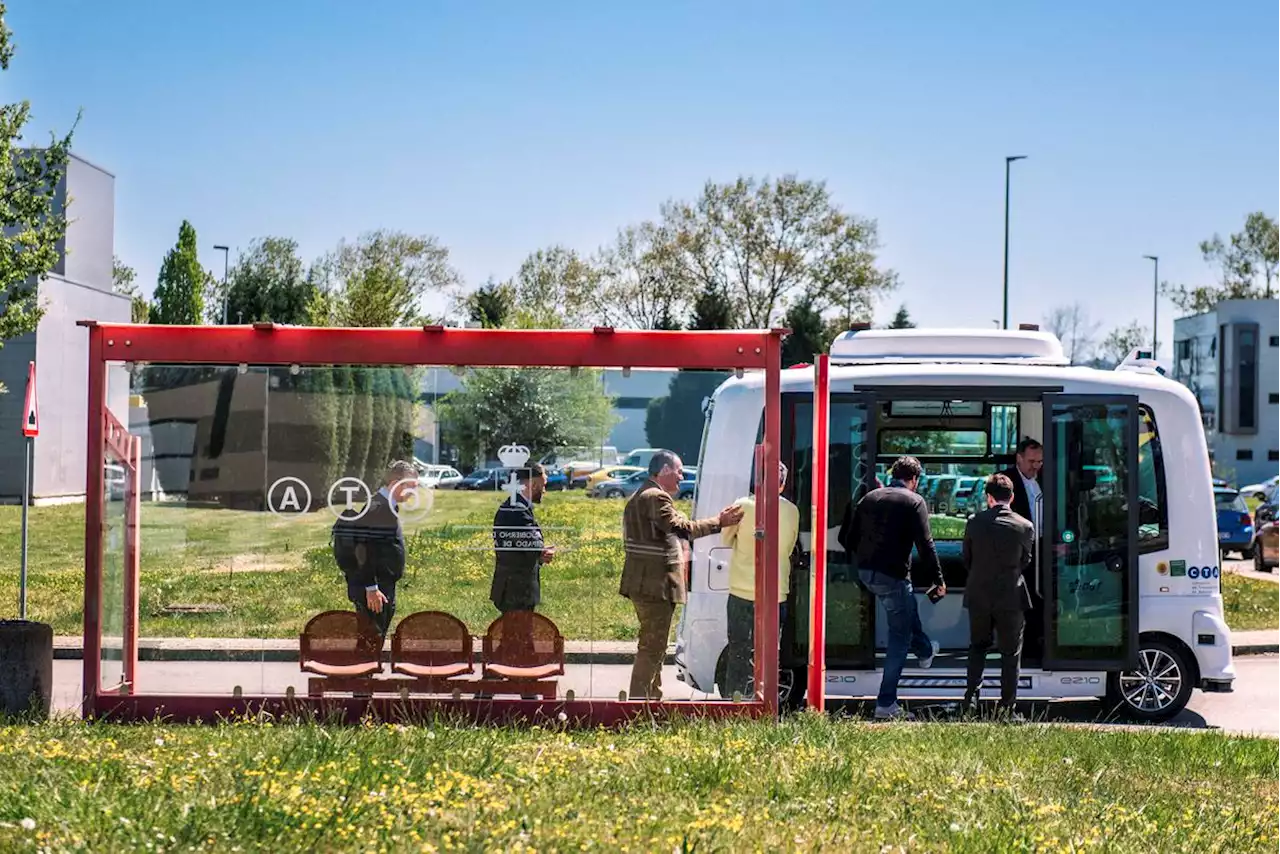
(906, 635)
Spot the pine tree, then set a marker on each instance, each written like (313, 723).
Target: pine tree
(180, 289)
(712, 310)
(902, 320)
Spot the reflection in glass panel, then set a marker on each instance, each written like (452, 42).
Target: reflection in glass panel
(113, 555)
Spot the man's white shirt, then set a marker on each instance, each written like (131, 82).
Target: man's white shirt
(1033, 499)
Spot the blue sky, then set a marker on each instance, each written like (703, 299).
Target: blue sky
(505, 127)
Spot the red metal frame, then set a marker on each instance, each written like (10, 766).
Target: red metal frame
(816, 693)
(270, 344)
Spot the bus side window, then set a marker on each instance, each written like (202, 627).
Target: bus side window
(1153, 503)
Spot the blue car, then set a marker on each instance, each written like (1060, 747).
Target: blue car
(1235, 525)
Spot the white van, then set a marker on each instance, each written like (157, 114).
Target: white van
(1128, 602)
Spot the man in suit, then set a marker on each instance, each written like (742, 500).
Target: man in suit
(1025, 477)
(519, 550)
(378, 555)
(656, 537)
(998, 546)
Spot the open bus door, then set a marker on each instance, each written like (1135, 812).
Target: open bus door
(851, 460)
(1088, 543)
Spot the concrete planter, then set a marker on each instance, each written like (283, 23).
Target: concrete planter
(26, 668)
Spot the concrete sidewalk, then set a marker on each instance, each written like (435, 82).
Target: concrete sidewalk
(576, 652)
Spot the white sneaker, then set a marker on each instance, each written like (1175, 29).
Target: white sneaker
(893, 713)
(926, 663)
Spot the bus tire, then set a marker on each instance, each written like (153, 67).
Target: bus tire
(1161, 686)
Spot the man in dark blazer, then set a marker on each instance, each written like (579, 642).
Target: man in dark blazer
(998, 546)
(1025, 477)
(519, 550)
(657, 538)
(376, 539)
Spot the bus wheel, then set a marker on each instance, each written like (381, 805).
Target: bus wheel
(791, 688)
(1158, 689)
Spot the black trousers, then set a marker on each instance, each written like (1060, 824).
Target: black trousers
(740, 655)
(1007, 626)
(382, 619)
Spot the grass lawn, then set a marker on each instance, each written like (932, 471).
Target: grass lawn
(804, 784)
(1250, 603)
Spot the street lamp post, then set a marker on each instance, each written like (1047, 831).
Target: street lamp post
(1008, 161)
(1155, 303)
(226, 262)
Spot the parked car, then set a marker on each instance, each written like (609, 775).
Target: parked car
(1265, 491)
(115, 478)
(609, 473)
(1266, 542)
(942, 493)
(484, 479)
(639, 457)
(962, 502)
(557, 480)
(1235, 525)
(688, 482)
(623, 487)
(439, 477)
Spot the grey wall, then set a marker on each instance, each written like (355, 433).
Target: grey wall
(79, 288)
(90, 226)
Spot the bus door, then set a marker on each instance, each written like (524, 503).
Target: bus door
(1088, 543)
(850, 633)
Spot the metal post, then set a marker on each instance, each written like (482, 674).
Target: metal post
(226, 297)
(816, 689)
(1007, 162)
(26, 502)
(1155, 305)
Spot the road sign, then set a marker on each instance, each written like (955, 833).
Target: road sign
(31, 413)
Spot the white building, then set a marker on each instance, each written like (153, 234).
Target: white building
(1230, 359)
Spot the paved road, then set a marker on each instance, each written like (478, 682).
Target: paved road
(1254, 707)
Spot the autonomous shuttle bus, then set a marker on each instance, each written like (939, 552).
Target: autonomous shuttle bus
(1126, 581)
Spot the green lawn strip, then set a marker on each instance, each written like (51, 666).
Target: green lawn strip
(1250, 603)
(804, 784)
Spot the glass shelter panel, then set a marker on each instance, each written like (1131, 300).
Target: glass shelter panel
(443, 532)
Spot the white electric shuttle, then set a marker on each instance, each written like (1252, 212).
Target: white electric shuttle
(1126, 584)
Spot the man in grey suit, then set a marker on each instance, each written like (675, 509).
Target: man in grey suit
(998, 546)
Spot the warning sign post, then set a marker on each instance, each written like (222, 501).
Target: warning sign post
(30, 429)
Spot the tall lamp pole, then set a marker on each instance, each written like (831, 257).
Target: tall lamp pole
(226, 262)
(1008, 161)
(1155, 303)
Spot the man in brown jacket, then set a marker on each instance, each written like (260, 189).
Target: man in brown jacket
(656, 537)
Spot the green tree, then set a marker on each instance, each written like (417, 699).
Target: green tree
(712, 310)
(1122, 341)
(31, 224)
(123, 282)
(556, 287)
(268, 283)
(380, 280)
(491, 304)
(1246, 264)
(181, 287)
(810, 334)
(771, 244)
(542, 409)
(902, 320)
(636, 285)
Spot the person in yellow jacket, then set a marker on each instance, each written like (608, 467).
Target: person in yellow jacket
(740, 609)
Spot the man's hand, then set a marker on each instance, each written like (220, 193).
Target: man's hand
(942, 590)
(730, 515)
(375, 600)
(548, 554)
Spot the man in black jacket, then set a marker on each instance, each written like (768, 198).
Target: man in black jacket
(880, 534)
(519, 549)
(374, 540)
(1025, 478)
(998, 546)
